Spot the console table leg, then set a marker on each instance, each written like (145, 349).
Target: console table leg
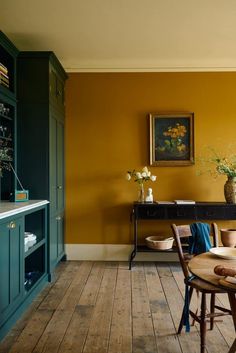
(132, 256)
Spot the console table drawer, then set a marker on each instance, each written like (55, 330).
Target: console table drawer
(181, 212)
(211, 212)
(150, 213)
(230, 213)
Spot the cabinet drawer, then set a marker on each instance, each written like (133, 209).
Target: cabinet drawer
(230, 212)
(150, 212)
(181, 212)
(211, 212)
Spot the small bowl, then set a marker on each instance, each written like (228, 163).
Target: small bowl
(157, 243)
(228, 237)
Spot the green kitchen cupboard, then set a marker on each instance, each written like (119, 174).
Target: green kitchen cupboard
(41, 112)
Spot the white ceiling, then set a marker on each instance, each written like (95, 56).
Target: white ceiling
(126, 35)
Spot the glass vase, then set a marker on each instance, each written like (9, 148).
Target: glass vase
(141, 193)
(230, 190)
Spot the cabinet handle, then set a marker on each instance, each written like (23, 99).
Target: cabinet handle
(59, 93)
(58, 218)
(59, 187)
(11, 225)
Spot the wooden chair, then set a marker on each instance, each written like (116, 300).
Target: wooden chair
(181, 233)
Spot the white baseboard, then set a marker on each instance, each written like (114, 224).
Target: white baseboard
(113, 252)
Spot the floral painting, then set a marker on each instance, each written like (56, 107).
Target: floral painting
(171, 139)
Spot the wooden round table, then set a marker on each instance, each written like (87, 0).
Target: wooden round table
(202, 266)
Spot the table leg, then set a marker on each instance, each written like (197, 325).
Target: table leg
(134, 252)
(232, 301)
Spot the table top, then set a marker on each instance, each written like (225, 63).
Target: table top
(203, 266)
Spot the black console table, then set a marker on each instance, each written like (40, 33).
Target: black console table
(196, 212)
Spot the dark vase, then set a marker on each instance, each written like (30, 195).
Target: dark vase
(230, 190)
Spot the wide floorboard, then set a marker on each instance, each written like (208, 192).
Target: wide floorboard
(102, 307)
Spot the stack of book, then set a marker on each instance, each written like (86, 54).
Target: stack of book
(4, 78)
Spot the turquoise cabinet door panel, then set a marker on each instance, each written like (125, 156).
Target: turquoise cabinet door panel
(53, 163)
(60, 166)
(56, 164)
(56, 238)
(11, 266)
(60, 235)
(4, 269)
(16, 253)
(53, 242)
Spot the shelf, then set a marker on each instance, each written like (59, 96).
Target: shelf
(6, 117)
(6, 138)
(144, 248)
(34, 247)
(31, 280)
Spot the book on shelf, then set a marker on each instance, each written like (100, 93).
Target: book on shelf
(2, 83)
(3, 74)
(165, 202)
(184, 202)
(3, 68)
(4, 79)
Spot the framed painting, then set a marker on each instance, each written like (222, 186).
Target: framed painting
(171, 139)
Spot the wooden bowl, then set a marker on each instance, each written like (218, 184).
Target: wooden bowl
(157, 243)
(228, 237)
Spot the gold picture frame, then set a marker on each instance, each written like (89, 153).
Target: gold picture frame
(171, 138)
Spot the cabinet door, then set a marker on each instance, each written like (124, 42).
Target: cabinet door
(56, 89)
(60, 165)
(60, 236)
(56, 239)
(56, 163)
(11, 266)
(53, 163)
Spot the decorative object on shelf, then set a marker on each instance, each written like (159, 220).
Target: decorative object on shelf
(171, 138)
(157, 243)
(19, 195)
(5, 156)
(140, 178)
(149, 197)
(4, 76)
(228, 237)
(4, 110)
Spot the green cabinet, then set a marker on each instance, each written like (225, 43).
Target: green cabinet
(23, 257)
(40, 133)
(11, 266)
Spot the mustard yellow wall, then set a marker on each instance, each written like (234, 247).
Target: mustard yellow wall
(107, 134)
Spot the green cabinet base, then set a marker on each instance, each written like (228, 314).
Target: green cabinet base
(24, 269)
(4, 329)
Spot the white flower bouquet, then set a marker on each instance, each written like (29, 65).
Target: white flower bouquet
(140, 177)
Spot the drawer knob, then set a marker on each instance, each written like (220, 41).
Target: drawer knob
(58, 218)
(11, 225)
(59, 187)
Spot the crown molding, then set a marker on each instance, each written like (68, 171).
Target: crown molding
(151, 69)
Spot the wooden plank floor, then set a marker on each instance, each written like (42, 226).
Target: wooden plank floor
(102, 307)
